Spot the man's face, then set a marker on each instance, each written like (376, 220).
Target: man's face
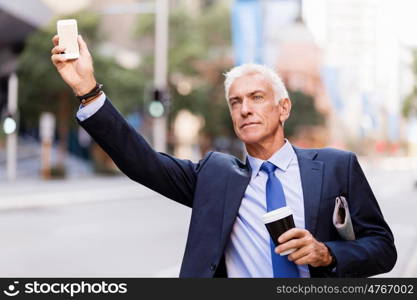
(255, 114)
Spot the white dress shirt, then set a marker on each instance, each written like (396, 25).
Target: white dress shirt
(248, 253)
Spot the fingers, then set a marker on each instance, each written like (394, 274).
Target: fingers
(309, 251)
(58, 58)
(305, 260)
(291, 234)
(294, 243)
(55, 40)
(56, 55)
(83, 46)
(299, 253)
(57, 50)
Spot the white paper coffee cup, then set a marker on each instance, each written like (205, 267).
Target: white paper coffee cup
(277, 222)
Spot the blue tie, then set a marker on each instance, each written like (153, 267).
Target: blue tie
(275, 198)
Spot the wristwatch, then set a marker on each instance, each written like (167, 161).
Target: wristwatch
(94, 92)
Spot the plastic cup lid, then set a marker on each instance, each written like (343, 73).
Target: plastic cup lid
(277, 214)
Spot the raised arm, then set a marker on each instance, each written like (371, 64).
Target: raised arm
(172, 177)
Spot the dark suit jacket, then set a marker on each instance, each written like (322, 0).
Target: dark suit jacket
(214, 188)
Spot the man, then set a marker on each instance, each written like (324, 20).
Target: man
(228, 197)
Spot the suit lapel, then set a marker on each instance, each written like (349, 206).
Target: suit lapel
(311, 172)
(237, 183)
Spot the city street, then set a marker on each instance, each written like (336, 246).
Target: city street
(111, 226)
(89, 227)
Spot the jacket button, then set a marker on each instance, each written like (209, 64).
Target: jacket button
(213, 267)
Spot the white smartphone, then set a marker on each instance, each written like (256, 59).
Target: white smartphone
(68, 34)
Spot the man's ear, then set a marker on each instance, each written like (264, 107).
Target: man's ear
(285, 109)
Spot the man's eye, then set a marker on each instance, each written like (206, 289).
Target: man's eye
(258, 97)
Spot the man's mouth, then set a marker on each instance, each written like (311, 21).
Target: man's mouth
(248, 124)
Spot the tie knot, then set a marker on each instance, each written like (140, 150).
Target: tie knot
(268, 167)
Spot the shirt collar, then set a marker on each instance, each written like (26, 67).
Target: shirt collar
(282, 159)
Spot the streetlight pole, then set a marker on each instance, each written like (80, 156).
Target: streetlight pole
(160, 70)
(161, 10)
(11, 141)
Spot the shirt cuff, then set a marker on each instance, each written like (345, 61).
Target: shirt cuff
(84, 112)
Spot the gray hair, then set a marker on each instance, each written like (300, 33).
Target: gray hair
(280, 91)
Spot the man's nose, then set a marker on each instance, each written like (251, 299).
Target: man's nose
(246, 108)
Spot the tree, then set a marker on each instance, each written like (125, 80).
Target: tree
(303, 113)
(199, 54)
(42, 89)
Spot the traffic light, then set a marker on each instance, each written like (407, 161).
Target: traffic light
(9, 125)
(158, 106)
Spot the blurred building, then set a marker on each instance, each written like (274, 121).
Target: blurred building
(362, 63)
(291, 48)
(299, 63)
(18, 19)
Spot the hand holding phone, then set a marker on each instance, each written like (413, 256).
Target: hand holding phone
(72, 59)
(68, 34)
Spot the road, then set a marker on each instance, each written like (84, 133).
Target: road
(93, 227)
(394, 184)
(113, 227)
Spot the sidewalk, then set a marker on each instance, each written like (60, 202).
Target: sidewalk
(28, 161)
(31, 193)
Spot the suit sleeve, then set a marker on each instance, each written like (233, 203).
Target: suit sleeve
(169, 176)
(373, 252)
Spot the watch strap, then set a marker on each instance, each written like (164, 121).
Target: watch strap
(94, 92)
